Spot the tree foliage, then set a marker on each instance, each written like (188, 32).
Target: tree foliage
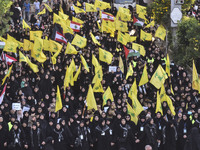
(188, 42)
(4, 15)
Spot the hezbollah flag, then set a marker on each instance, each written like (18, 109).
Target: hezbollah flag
(121, 64)
(63, 16)
(33, 66)
(77, 73)
(10, 38)
(139, 48)
(151, 24)
(158, 104)
(98, 87)
(27, 45)
(133, 90)
(90, 8)
(55, 55)
(131, 112)
(78, 10)
(137, 107)
(22, 58)
(141, 11)
(145, 36)
(144, 79)
(101, 5)
(158, 77)
(79, 41)
(85, 64)
(95, 61)
(123, 14)
(25, 25)
(74, 19)
(94, 39)
(70, 49)
(48, 8)
(167, 68)
(105, 56)
(42, 12)
(163, 94)
(58, 100)
(121, 38)
(171, 107)
(98, 74)
(195, 79)
(121, 26)
(35, 34)
(54, 46)
(161, 32)
(10, 46)
(90, 99)
(7, 75)
(130, 71)
(107, 95)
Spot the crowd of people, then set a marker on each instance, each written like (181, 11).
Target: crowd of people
(36, 126)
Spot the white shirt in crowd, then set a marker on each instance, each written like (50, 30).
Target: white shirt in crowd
(37, 5)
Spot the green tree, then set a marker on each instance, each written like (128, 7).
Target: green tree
(5, 15)
(188, 42)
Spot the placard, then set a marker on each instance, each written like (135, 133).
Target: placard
(112, 68)
(16, 106)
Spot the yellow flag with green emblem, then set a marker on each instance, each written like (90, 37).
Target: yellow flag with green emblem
(35, 34)
(55, 55)
(158, 104)
(101, 5)
(10, 46)
(46, 45)
(144, 78)
(98, 87)
(90, 8)
(167, 68)
(58, 100)
(163, 94)
(78, 3)
(122, 38)
(151, 24)
(131, 112)
(130, 71)
(70, 49)
(195, 79)
(90, 99)
(77, 20)
(95, 61)
(141, 11)
(54, 46)
(79, 41)
(7, 75)
(48, 7)
(63, 16)
(158, 77)
(145, 36)
(85, 63)
(121, 64)
(42, 12)
(121, 26)
(171, 106)
(105, 56)
(161, 32)
(94, 39)
(123, 14)
(22, 58)
(107, 95)
(139, 48)
(137, 107)
(25, 25)
(10, 38)
(33, 66)
(78, 10)
(77, 73)
(27, 45)
(98, 74)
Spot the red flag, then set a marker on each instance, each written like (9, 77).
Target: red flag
(126, 51)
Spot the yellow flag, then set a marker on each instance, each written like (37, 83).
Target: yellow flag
(63, 16)
(90, 7)
(167, 68)
(121, 26)
(141, 11)
(137, 107)
(121, 64)
(58, 100)
(56, 54)
(48, 8)
(70, 49)
(25, 25)
(67, 29)
(145, 36)
(172, 91)
(77, 73)
(151, 24)
(144, 78)
(94, 39)
(72, 66)
(2, 39)
(77, 20)
(10, 38)
(158, 104)
(78, 3)
(79, 41)
(68, 76)
(130, 71)
(101, 5)
(133, 90)
(90, 99)
(60, 9)
(98, 87)
(35, 34)
(42, 12)
(46, 45)
(54, 46)
(139, 48)
(37, 51)
(123, 14)
(132, 38)
(98, 74)
(27, 45)
(131, 112)
(163, 94)
(10, 46)
(85, 64)
(161, 32)
(171, 107)
(158, 77)
(107, 95)
(33, 66)
(78, 10)
(105, 56)
(57, 19)
(122, 38)
(22, 58)
(108, 27)
(95, 61)
(7, 75)
(195, 79)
